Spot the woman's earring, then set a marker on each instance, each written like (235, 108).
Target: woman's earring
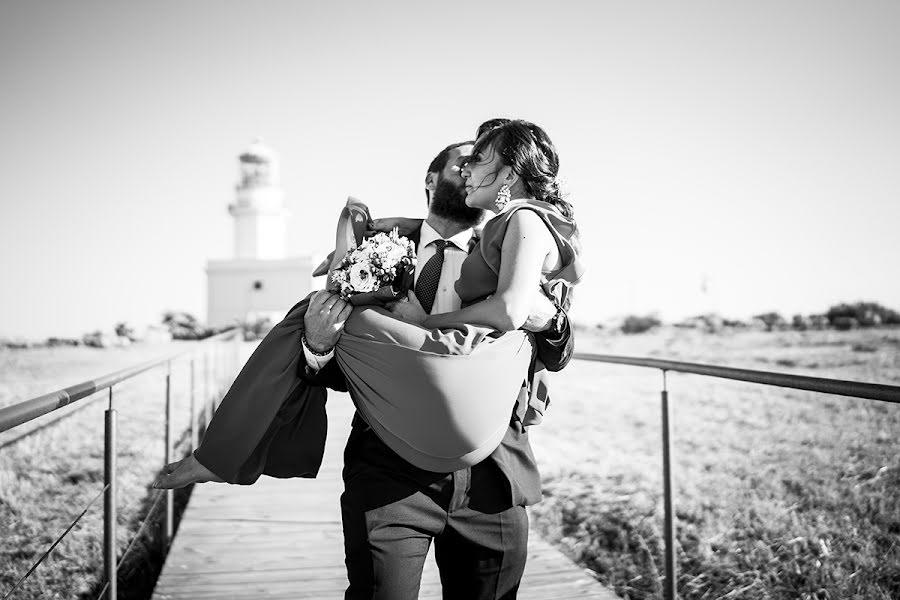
(502, 197)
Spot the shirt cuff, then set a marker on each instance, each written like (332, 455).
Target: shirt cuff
(317, 362)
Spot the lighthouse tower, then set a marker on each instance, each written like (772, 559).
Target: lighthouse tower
(260, 281)
(259, 214)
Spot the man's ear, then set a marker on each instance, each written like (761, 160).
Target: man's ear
(431, 181)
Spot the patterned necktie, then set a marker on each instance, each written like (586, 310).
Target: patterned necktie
(427, 283)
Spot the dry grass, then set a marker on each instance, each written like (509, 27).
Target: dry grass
(47, 478)
(780, 493)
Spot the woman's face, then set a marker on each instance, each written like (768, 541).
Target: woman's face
(484, 175)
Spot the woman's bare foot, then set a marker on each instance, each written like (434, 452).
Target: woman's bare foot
(184, 472)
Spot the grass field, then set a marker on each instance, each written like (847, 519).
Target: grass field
(779, 493)
(47, 478)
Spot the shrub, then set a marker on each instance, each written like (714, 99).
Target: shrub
(52, 342)
(708, 322)
(185, 326)
(97, 339)
(866, 314)
(842, 323)
(126, 331)
(256, 329)
(771, 320)
(640, 324)
(15, 344)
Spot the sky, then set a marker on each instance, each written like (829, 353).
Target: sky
(736, 157)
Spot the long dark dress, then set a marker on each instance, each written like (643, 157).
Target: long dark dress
(441, 399)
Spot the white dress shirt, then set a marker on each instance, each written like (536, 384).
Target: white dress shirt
(446, 299)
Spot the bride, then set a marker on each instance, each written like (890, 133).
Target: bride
(437, 389)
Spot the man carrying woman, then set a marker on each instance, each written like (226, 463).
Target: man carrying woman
(391, 508)
(439, 447)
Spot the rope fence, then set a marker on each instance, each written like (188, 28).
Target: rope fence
(854, 389)
(219, 366)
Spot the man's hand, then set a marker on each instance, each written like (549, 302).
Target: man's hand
(541, 314)
(325, 319)
(409, 309)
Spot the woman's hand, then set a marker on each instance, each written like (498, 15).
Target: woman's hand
(409, 309)
(404, 225)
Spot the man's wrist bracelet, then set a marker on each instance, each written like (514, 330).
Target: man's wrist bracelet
(306, 345)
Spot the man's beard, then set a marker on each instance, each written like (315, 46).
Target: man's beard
(449, 202)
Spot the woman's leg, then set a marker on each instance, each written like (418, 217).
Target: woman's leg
(248, 408)
(379, 325)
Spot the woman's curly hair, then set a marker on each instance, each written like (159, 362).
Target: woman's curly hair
(528, 150)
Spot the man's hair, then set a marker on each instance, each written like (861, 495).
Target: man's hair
(440, 161)
(490, 124)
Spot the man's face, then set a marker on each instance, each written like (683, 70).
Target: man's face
(449, 197)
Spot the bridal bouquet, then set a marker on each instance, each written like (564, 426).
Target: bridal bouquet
(379, 270)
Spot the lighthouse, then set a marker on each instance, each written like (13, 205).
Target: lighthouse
(260, 280)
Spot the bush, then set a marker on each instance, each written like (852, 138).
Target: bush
(185, 326)
(771, 320)
(640, 324)
(126, 331)
(866, 314)
(15, 344)
(53, 342)
(842, 323)
(708, 322)
(256, 329)
(97, 339)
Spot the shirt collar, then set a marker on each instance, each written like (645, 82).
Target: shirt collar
(460, 240)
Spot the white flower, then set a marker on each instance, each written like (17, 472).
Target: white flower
(361, 277)
(393, 253)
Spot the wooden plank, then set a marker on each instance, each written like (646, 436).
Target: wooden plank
(281, 539)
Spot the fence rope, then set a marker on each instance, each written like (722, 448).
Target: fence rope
(159, 496)
(55, 544)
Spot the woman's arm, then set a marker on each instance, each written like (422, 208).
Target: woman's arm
(404, 225)
(526, 245)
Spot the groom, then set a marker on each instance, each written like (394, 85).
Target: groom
(391, 509)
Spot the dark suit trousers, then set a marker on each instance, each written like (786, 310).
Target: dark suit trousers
(392, 510)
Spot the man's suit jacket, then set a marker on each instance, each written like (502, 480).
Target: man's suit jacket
(513, 457)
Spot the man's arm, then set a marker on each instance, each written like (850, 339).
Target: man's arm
(553, 334)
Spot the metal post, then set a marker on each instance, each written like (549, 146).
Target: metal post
(670, 592)
(216, 374)
(207, 406)
(110, 548)
(236, 356)
(194, 429)
(170, 496)
(220, 373)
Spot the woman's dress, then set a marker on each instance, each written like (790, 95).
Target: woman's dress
(442, 399)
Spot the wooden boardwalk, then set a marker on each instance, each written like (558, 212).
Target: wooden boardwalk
(282, 539)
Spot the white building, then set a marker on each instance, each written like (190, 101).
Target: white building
(259, 281)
